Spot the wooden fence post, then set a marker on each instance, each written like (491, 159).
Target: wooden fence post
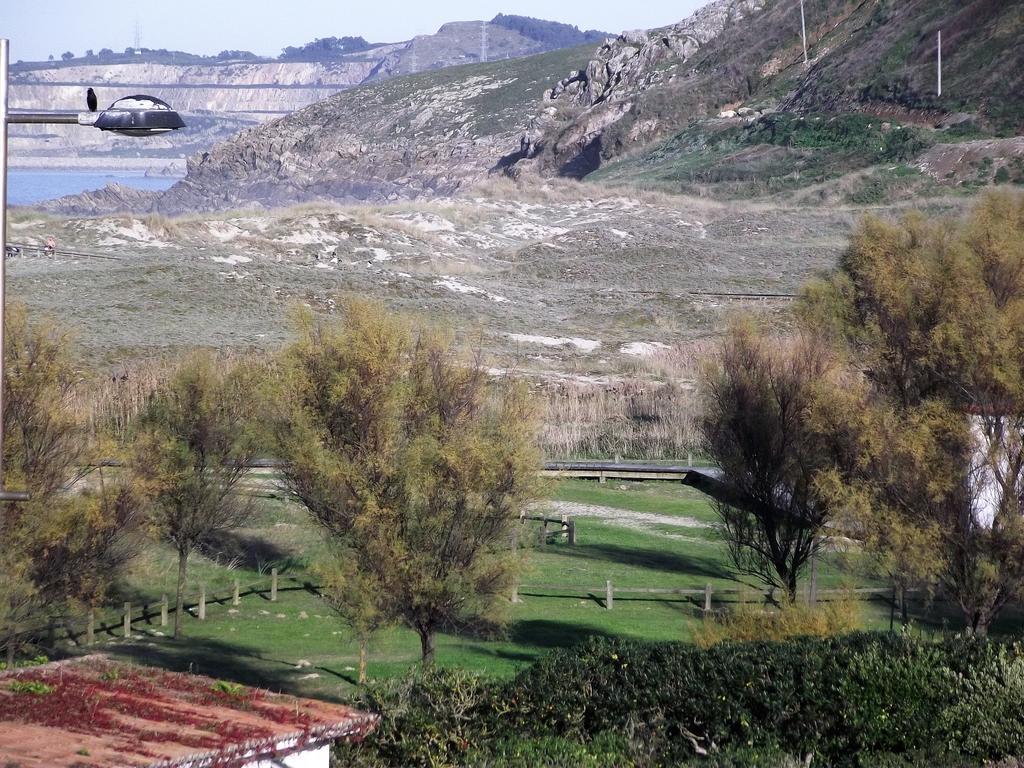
(202, 602)
(609, 594)
(163, 610)
(90, 628)
(707, 598)
(572, 532)
(544, 532)
(273, 585)
(127, 619)
(236, 598)
(515, 593)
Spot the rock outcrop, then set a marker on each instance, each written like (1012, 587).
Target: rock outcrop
(738, 57)
(606, 98)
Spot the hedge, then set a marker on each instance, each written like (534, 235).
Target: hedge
(860, 699)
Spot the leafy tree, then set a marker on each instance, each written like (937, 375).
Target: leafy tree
(933, 313)
(406, 454)
(758, 396)
(324, 49)
(67, 56)
(63, 547)
(353, 594)
(553, 34)
(194, 443)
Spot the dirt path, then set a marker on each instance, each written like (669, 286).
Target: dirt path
(640, 521)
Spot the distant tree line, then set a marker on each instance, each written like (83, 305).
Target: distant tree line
(552, 34)
(324, 49)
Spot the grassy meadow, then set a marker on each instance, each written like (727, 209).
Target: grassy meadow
(653, 534)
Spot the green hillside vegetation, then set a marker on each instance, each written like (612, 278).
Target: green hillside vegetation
(871, 64)
(778, 152)
(552, 34)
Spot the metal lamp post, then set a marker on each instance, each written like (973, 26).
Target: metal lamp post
(132, 116)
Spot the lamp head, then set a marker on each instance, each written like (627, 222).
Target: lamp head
(139, 115)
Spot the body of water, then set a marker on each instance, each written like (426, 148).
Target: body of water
(31, 185)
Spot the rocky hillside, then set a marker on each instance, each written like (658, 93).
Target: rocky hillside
(221, 96)
(421, 135)
(721, 103)
(873, 56)
(869, 56)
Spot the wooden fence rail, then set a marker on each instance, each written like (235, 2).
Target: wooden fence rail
(708, 592)
(124, 617)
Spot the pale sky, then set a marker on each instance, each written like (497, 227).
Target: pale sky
(38, 28)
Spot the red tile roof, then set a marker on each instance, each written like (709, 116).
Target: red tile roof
(99, 713)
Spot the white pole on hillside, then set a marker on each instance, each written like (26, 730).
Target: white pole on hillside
(939, 61)
(803, 30)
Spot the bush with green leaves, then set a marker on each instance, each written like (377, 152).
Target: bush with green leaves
(834, 698)
(860, 699)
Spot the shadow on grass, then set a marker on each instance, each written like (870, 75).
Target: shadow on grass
(539, 636)
(216, 659)
(548, 633)
(654, 559)
(247, 551)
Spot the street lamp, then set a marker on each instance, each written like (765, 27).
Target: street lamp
(131, 116)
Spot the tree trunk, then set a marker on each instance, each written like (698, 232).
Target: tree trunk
(362, 660)
(791, 587)
(980, 624)
(427, 646)
(11, 644)
(179, 602)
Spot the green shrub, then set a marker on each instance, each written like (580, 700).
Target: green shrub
(1002, 175)
(860, 694)
(33, 687)
(433, 717)
(605, 751)
(853, 700)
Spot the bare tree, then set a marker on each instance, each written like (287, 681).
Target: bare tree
(758, 396)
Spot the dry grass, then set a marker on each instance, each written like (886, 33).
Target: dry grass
(109, 404)
(555, 190)
(748, 622)
(633, 420)
(161, 226)
(650, 414)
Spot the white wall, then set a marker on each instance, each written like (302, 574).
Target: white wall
(313, 757)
